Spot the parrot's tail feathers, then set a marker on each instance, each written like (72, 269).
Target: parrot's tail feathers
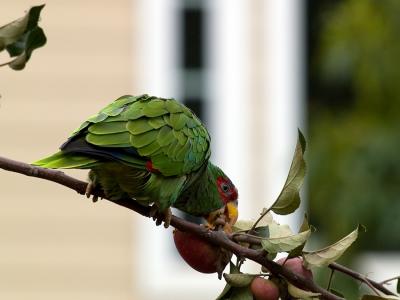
(61, 160)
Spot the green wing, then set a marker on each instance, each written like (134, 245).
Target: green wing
(161, 130)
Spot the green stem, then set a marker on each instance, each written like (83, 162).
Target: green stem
(330, 279)
(259, 219)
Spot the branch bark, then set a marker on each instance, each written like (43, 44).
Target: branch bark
(218, 238)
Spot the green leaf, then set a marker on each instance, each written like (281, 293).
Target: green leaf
(289, 199)
(246, 225)
(285, 243)
(327, 255)
(225, 293)
(233, 269)
(279, 230)
(242, 225)
(299, 250)
(375, 297)
(239, 280)
(21, 37)
(301, 294)
(243, 293)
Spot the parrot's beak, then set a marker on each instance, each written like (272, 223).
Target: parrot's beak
(225, 216)
(231, 212)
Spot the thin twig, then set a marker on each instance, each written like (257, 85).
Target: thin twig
(389, 280)
(236, 234)
(330, 279)
(259, 219)
(372, 287)
(6, 63)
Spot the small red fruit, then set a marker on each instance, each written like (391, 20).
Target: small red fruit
(264, 289)
(199, 254)
(296, 266)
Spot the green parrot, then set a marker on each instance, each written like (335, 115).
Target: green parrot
(153, 150)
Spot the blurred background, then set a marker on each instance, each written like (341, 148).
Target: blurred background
(254, 71)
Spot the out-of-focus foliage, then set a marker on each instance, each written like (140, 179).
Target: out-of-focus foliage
(354, 159)
(21, 37)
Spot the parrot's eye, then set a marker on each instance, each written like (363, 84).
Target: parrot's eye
(225, 187)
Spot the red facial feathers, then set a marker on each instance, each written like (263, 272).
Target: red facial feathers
(226, 190)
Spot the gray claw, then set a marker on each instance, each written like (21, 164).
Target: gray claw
(89, 189)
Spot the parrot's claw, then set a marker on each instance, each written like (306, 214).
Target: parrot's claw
(159, 216)
(167, 217)
(153, 211)
(90, 188)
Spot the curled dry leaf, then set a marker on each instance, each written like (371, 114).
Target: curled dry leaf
(327, 255)
(297, 293)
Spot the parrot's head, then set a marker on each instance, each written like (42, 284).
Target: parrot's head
(227, 195)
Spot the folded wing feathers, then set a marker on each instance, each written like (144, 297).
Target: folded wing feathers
(109, 140)
(160, 129)
(108, 128)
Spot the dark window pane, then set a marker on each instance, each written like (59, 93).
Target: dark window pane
(196, 105)
(192, 38)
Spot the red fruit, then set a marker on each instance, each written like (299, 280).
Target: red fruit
(264, 289)
(296, 266)
(199, 254)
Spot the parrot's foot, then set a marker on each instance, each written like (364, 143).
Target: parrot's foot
(160, 216)
(90, 191)
(216, 224)
(217, 220)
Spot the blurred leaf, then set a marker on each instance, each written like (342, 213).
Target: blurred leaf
(239, 280)
(398, 286)
(301, 294)
(21, 37)
(11, 32)
(305, 225)
(289, 199)
(277, 230)
(374, 297)
(331, 253)
(337, 293)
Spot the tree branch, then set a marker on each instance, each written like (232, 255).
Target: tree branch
(218, 238)
(361, 277)
(333, 266)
